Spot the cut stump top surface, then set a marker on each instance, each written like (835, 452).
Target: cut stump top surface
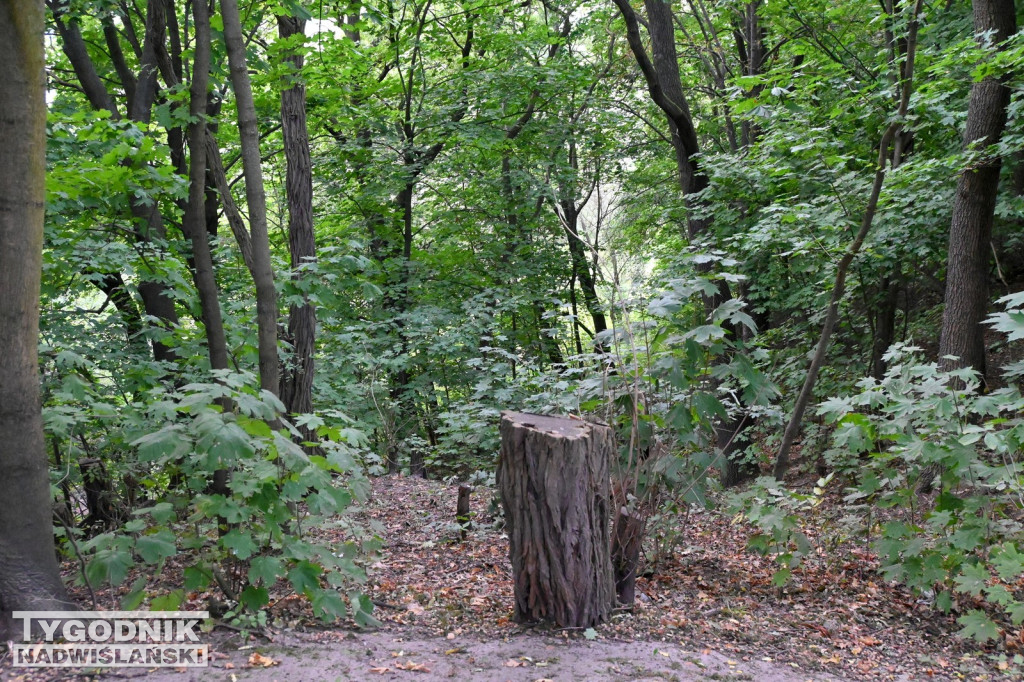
(562, 427)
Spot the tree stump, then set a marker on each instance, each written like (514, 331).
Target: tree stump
(553, 476)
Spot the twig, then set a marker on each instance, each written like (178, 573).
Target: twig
(81, 561)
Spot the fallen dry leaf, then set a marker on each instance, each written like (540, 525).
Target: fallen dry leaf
(258, 660)
(512, 663)
(413, 667)
(380, 671)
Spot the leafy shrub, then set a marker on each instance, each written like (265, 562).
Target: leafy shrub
(257, 533)
(963, 545)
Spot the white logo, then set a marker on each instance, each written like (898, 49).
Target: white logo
(112, 639)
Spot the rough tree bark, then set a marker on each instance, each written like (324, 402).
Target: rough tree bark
(29, 576)
(553, 475)
(970, 230)
(297, 379)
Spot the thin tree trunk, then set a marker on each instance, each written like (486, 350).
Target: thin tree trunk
(885, 325)
(839, 288)
(297, 380)
(195, 223)
(970, 231)
(29, 576)
(262, 271)
(195, 215)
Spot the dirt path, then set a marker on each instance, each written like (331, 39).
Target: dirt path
(405, 654)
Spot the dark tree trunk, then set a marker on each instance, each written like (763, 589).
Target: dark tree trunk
(195, 221)
(731, 439)
(113, 285)
(579, 252)
(661, 73)
(462, 516)
(627, 538)
(297, 380)
(970, 230)
(104, 510)
(885, 326)
(553, 475)
(29, 576)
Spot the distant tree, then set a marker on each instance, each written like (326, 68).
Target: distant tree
(29, 577)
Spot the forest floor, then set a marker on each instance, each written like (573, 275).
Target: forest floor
(706, 611)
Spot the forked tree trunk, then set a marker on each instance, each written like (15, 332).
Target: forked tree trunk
(553, 475)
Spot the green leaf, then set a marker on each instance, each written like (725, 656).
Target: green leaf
(171, 601)
(131, 601)
(254, 598)
(978, 626)
(328, 605)
(1008, 562)
(972, 579)
(305, 577)
(265, 569)
(590, 633)
(109, 565)
(362, 610)
(781, 577)
(196, 578)
(157, 547)
(239, 543)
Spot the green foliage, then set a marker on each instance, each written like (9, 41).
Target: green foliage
(920, 422)
(776, 512)
(261, 530)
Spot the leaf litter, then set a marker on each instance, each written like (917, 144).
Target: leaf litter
(708, 609)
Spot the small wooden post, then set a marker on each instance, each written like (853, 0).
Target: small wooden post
(462, 512)
(553, 476)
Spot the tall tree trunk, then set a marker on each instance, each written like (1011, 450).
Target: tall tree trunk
(249, 134)
(29, 577)
(661, 73)
(970, 230)
(885, 324)
(297, 380)
(195, 225)
(195, 221)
